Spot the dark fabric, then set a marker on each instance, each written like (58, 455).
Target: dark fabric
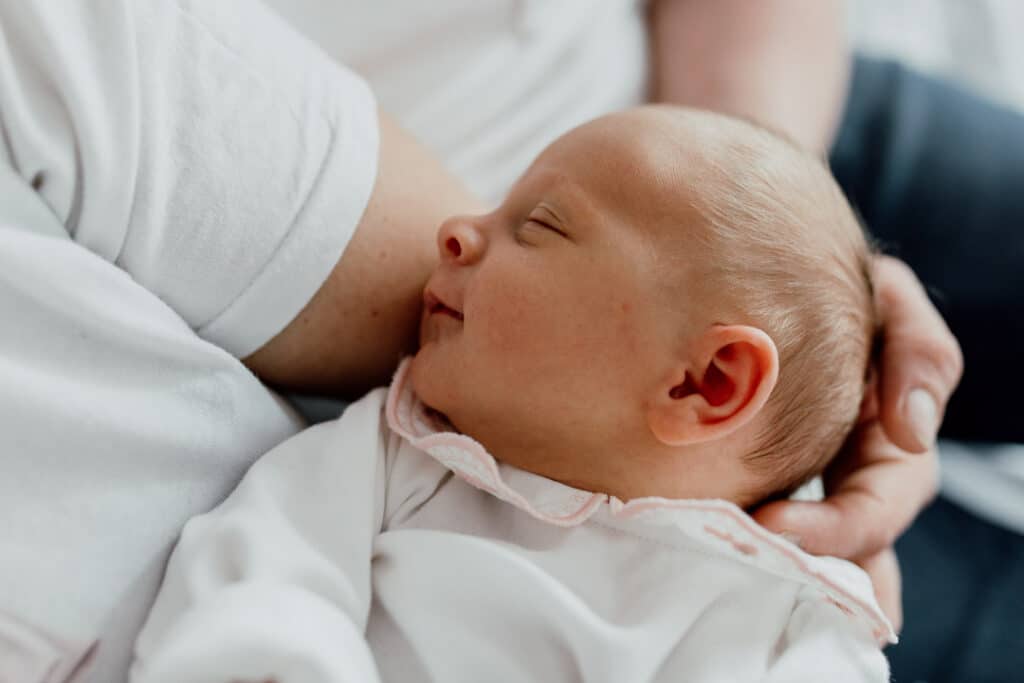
(963, 596)
(938, 176)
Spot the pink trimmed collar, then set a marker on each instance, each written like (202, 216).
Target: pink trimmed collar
(717, 523)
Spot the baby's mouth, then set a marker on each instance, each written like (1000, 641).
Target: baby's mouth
(441, 308)
(435, 305)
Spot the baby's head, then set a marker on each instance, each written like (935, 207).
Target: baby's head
(669, 303)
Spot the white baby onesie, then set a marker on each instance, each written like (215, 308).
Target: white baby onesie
(383, 547)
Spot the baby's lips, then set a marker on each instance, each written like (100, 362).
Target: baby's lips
(433, 304)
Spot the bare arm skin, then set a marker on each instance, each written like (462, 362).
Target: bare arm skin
(782, 63)
(365, 316)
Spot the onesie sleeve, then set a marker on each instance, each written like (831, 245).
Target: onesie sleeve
(205, 148)
(822, 643)
(275, 584)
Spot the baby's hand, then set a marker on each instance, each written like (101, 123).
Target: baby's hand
(876, 488)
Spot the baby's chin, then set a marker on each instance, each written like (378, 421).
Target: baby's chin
(428, 378)
(432, 390)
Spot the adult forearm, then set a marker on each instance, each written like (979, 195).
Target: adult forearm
(365, 316)
(782, 63)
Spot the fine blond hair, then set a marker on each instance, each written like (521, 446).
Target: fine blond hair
(783, 251)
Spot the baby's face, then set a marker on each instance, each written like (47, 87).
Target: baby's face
(544, 325)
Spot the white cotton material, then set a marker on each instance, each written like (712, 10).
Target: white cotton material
(217, 158)
(350, 540)
(487, 84)
(986, 479)
(167, 168)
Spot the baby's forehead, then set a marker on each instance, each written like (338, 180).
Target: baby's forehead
(631, 173)
(674, 175)
(628, 150)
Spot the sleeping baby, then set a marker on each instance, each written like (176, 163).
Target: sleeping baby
(667, 322)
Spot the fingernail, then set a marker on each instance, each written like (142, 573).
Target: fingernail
(792, 538)
(923, 416)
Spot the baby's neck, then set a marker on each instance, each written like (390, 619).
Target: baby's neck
(709, 471)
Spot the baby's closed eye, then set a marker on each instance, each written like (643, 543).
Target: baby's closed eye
(532, 231)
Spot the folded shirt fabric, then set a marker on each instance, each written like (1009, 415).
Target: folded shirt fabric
(179, 178)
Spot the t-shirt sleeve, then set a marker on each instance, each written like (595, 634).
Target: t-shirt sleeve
(203, 147)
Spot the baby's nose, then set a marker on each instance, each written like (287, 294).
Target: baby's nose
(460, 241)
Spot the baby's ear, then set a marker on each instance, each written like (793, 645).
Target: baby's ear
(722, 384)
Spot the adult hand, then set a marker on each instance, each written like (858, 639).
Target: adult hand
(875, 487)
(921, 360)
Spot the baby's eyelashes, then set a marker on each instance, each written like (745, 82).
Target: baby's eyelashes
(527, 233)
(546, 225)
(548, 218)
(531, 231)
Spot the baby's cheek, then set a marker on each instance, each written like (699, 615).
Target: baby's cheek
(606, 324)
(524, 332)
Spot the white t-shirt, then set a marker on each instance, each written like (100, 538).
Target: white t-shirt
(487, 84)
(200, 168)
(352, 553)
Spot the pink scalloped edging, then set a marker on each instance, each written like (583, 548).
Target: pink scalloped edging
(496, 486)
(402, 408)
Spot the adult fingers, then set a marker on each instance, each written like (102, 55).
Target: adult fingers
(874, 493)
(921, 362)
